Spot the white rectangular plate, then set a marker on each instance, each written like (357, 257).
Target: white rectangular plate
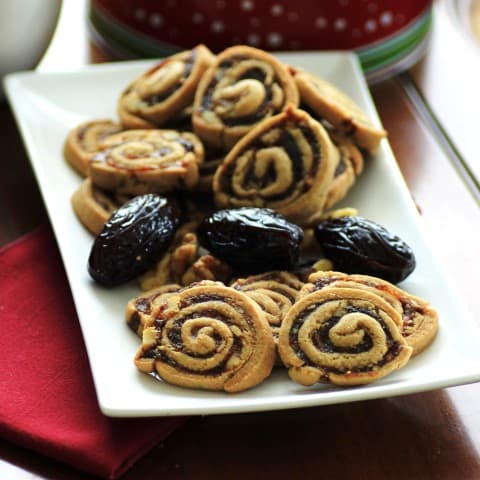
(48, 105)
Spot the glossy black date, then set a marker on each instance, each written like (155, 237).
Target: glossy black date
(251, 240)
(133, 239)
(357, 245)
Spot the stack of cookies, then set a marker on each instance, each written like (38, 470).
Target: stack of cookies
(239, 125)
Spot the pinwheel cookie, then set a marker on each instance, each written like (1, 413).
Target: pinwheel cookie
(331, 104)
(343, 336)
(84, 139)
(147, 161)
(419, 320)
(286, 163)
(275, 292)
(243, 87)
(208, 336)
(160, 95)
(94, 206)
(350, 164)
(139, 309)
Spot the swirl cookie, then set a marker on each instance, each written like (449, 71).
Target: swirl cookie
(350, 164)
(243, 87)
(274, 292)
(286, 163)
(208, 336)
(84, 139)
(139, 309)
(94, 206)
(147, 161)
(419, 320)
(343, 336)
(159, 96)
(333, 105)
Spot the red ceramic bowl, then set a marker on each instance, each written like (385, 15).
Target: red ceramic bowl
(158, 27)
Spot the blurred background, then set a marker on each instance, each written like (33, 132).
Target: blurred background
(389, 36)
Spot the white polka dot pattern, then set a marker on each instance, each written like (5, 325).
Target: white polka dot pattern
(267, 24)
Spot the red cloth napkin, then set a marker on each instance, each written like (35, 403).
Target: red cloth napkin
(47, 397)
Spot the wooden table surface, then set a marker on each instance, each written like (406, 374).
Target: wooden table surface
(431, 114)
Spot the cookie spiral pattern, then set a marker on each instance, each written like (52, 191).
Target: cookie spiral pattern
(147, 161)
(341, 336)
(93, 206)
(274, 292)
(139, 309)
(286, 163)
(330, 103)
(243, 87)
(350, 164)
(165, 91)
(85, 139)
(208, 336)
(419, 321)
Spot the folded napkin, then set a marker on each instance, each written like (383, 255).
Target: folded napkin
(47, 397)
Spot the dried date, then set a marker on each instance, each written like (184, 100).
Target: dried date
(251, 239)
(357, 245)
(133, 239)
